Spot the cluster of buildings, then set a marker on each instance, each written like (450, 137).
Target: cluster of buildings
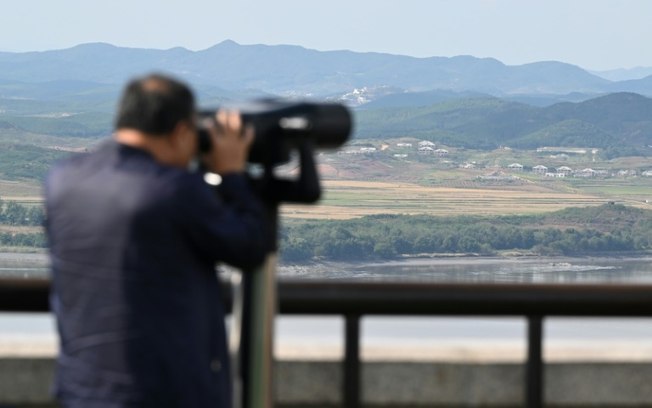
(565, 171)
(424, 147)
(403, 149)
(428, 148)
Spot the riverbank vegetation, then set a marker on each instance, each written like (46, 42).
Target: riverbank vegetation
(573, 231)
(20, 225)
(604, 229)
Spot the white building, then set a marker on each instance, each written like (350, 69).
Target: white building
(585, 173)
(564, 170)
(540, 169)
(626, 173)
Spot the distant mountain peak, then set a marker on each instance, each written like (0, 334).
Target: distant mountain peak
(226, 43)
(95, 46)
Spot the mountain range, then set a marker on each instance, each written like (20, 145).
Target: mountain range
(230, 70)
(460, 101)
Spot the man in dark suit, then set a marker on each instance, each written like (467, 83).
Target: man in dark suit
(134, 238)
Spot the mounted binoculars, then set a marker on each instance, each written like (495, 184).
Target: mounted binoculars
(283, 126)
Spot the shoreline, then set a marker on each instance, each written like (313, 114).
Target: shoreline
(468, 260)
(502, 256)
(619, 269)
(6, 253)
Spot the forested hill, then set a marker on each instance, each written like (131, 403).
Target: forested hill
(573, 231)
(619, 122)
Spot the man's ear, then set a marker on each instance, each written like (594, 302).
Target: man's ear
(178, 136)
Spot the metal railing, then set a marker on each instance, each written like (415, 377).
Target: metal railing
(356, 299)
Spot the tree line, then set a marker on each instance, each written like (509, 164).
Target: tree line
(567, 232)
(15, 214)
(23, 239)
(573, 231)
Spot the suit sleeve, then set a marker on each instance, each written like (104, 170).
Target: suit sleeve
(230, 227)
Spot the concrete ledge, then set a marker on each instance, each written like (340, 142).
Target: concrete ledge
(25, 382)
(595, 384)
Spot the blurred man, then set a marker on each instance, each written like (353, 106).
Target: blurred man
(134, 239)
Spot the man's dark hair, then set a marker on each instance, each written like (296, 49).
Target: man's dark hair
(155, 104)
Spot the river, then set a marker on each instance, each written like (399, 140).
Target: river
(417, 337)
(486, 270)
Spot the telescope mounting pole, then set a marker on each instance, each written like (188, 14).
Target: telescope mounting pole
(256, 303)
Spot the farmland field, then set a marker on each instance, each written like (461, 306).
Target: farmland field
(358, 185)
(349, 199)
(464, 182)
(20, 191)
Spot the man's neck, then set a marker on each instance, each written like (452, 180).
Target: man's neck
(157, 146)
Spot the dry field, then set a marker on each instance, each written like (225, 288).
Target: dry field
(350, 199)
(20, 229)
(343, 199)
(20, 191)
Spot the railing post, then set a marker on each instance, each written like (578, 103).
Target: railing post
(534, 367)
(351, 379)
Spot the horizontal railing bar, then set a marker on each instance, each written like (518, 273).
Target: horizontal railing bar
(391, 298)
(464, 299)
(24, 295)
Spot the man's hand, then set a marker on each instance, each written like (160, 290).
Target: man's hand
(231, 141)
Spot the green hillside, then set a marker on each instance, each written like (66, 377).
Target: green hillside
(36, 132)
(24, 161)
(620, 124)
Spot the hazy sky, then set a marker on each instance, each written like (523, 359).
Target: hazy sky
(594, 34)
